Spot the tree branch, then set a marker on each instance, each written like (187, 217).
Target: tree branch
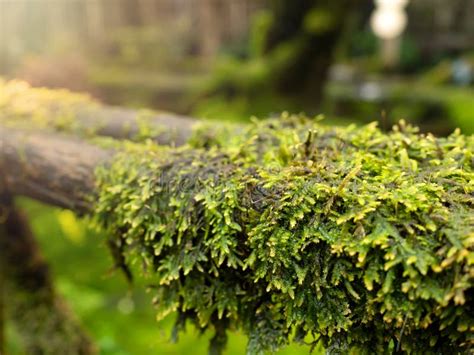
(50, 168)
(166, 128)
(61, 110)
(338, 195)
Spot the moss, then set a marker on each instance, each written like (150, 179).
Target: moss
(24, 106)
(292, 230)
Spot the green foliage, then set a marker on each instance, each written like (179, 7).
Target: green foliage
(261, 24)
(279, 72)
(319, 20)
(295, 231)
(438, 109)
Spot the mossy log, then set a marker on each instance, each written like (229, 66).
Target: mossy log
(37, 312)
(290, 231)
(61, 110)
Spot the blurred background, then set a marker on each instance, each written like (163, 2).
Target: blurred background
(355, 61)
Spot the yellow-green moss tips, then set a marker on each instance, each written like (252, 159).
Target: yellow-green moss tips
(293, 230)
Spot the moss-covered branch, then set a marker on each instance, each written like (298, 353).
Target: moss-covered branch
(60, 110)
(295, 231)
(40, 317)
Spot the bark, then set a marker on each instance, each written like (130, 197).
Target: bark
(171, 129)
(39, 315)
(76, 114)
(58, 171)
(115, 122)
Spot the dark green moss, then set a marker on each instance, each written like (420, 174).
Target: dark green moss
(292, 231)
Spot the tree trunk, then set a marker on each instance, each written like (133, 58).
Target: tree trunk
(131, 12)
(41, 318)
(209, 30)
(313, 27)
(2, 311)
(94, 11)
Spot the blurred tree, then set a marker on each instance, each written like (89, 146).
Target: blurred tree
(132, 12)
(94, 14)
(314, 27)
(292, 46)
(209, 29)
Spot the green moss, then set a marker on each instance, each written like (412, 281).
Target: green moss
(292, 230)
(26, 107)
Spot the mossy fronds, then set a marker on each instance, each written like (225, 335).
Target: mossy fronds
(295, 231)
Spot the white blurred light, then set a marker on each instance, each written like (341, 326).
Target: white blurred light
(387, 24)
(389, 19)
(391, 3)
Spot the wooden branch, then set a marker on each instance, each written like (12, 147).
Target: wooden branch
(121, 123)
(50, 168)
(40, 316)
(27, 107)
